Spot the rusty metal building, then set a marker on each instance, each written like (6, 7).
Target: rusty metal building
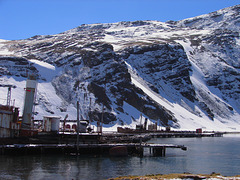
(9, 124)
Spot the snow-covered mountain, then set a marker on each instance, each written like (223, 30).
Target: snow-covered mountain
(182, 74)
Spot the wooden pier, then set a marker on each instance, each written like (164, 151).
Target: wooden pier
(183, 134)
(118, 149)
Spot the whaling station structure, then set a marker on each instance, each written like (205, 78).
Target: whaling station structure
(19, 134)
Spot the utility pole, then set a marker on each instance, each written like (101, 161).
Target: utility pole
(101, 124)
(89, 113)
(77, 127)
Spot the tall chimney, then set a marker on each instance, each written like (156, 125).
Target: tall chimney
(30, 90)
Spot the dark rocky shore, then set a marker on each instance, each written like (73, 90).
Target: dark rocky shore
(188, 176)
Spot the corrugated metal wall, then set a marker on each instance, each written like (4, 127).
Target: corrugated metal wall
(8, 122)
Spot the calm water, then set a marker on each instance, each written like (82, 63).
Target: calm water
(204, 155)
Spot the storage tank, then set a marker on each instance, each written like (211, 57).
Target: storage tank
(83, 126)
(51, 123)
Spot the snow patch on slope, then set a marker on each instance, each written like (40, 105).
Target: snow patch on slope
(186, 119)
(47, 100)
(3, 49)
(47, 71)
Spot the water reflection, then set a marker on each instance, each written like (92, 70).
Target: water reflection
(204, 155)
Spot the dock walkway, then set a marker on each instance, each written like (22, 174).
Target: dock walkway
(184, 134)
(96, 149)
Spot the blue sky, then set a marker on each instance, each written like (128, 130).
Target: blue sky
(22, 19)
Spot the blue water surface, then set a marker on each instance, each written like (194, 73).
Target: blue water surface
(204, 155)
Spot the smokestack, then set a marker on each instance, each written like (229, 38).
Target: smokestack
(30, 90)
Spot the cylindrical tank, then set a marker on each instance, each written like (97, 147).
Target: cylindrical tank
(46, 124)
(55, 122)
(51, 123)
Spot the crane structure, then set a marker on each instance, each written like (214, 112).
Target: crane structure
(9, 86)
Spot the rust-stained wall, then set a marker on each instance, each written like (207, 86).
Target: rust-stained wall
(9, 126)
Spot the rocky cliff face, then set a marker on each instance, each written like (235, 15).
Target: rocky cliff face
(183, 74)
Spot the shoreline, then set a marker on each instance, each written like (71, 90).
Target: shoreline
(188, 176)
